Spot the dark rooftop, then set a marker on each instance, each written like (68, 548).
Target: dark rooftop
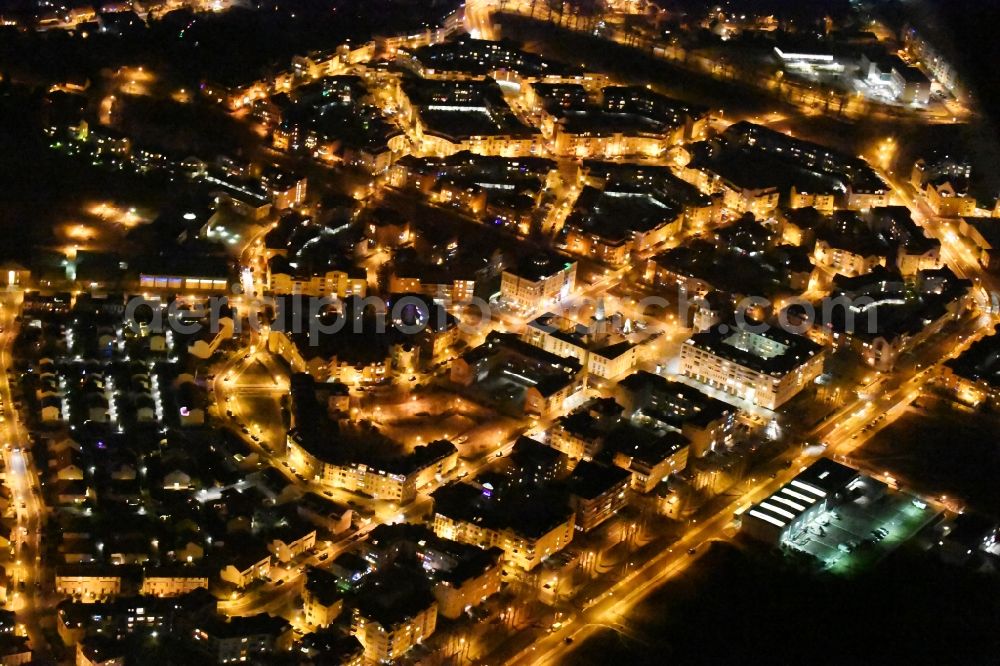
(590, 480)
(646, 446)
(531, 518)
(723, 341)
(393, 596)
(540, 265)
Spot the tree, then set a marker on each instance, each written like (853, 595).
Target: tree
(589, 10)
(558, 6)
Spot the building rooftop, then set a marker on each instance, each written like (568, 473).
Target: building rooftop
(597, 122)
(323, 586)
(244, 553)
(332, 646)
(764, 274)
(643, 101)
(614, 350)
(590, 480)
(847, 230)
(583, 424)
(883, 304)
(355, 335)
(658, 181)
(896, 226)
(485, 168)
(459, 124)
(545, 371)
(616, 214)
(771, 351)
(471, 562)
(908, 72)
(239, 626)
(393, 596)
(463, 109)
(531, 454)
(186, 261)
(562, 98)
(482, 57)
(99, 650)
(820, 480)
(644, 446)
(528, 516)
(674, 403)
(746, 167)
(540, 266)
(803, 155)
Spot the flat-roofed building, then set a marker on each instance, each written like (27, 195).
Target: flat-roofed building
(242, 638)
(707, 422)
(322, 600)
(525, 377)
(613, 224)
(650, 456)
(906, 83)
(764, 367)
(597, 492)
(470, 576)
(819, 487)
(538, 281)
(580, 435)
(179, 271)
(527, 530)
(394, 613)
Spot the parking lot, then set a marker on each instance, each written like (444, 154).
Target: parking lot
(857, 533)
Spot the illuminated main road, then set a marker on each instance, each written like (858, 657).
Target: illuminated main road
(27, 572)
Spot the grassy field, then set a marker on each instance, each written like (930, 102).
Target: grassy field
(741, 606)
(942, 452)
